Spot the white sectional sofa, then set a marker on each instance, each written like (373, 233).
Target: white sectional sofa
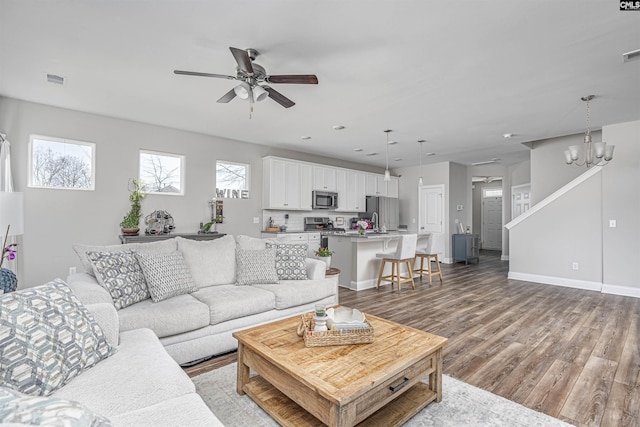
(199, 324)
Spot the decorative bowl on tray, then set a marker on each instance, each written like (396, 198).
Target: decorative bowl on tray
(345, 317)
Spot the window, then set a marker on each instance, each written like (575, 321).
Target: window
(61, 163)
(161, 173)
(232, 180)
(492, 192)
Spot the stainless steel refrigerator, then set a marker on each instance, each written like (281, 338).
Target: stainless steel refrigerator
(387, 210)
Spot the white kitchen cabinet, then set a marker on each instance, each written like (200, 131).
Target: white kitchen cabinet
(324, 178)
(281, 184)
(377, 186)
(393, 187)
(306, 187)
(341, 188)
(356, 195)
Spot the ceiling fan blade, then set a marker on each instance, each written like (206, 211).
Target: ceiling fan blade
(303, 79)
(195, 73)
(279, 98)
(243, 60)
(227, 96)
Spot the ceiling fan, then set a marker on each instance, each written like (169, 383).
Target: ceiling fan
(254, 80)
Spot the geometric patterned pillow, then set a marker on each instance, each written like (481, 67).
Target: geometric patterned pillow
(256, 266)
(167, 275)
(290, 260)
(46, 411)
(121, 275)
(47, 338)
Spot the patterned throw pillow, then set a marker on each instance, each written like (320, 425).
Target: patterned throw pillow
(167, 275)
(256, 266)
(121, 275)
(47, 338)
(290, 260)
(46, 411)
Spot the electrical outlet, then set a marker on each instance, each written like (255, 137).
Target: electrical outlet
(413, 220)
(613, 223)
(256, 220)
(72, 270)
(575, 266)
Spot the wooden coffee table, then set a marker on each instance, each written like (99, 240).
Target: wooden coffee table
(377, 384)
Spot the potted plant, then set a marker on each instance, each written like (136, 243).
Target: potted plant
(210, 227)
(131, 221)
(324, 254)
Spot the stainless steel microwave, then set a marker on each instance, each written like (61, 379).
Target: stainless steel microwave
(325, 200)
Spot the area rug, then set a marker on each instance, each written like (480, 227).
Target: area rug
(462, 406)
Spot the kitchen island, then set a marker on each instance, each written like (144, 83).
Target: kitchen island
(355, 256)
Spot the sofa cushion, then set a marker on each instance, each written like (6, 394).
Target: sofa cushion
(121, 275)
(211, 262)
(227, 302)
(167, 275)
(162, 246)
(248, 242)
(47, 337)
(256, 266)
(15, 407)
(292, 293)
(290, 260)
(172, 316)
(140, 374)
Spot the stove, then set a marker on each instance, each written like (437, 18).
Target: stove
(322, 224)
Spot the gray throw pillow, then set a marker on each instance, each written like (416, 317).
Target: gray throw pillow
(121, 275)
(167, 275)
(48, 337)
(290, 260)
(46, 411)
(256, 266)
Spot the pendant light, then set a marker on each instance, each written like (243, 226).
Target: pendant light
(420, 182)
(387, 175)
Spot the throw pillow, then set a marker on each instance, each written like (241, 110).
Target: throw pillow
(48, 338)
(166, 275)
(256, 266)
(211, 262)
(46, 411)
(290, 260)
(121, 275)
(163, 246)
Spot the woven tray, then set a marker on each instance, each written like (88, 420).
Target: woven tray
(337, 337)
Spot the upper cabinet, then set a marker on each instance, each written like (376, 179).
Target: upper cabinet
(324, 178)
(282, 185)
(377, 186)
(288, 185)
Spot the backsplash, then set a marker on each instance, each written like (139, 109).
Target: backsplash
(296, 218)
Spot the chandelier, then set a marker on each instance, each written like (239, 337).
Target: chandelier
(599, 153)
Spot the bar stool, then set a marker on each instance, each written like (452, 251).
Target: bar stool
(404, 254)
(428, 249)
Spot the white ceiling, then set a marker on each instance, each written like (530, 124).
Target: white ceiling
(457, 74)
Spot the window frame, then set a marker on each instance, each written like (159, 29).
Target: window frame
(486, 190)
(182, 174)
(247, 189)
(30, 153)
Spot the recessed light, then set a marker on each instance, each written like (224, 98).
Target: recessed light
(305, 137)
(393, 142)
(358, 149)
(508, 135)
(372, 154)
(429, 154)
(422, 140)
(338, 127)
(397, 159)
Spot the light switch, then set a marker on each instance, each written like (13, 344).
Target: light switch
(612, 223)
(256, 220)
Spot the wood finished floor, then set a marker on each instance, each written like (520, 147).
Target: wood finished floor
(572, 354)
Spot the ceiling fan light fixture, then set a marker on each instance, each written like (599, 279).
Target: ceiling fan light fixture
(259, 94)
(242, 90)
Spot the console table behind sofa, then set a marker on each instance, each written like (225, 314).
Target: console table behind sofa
(146, 238)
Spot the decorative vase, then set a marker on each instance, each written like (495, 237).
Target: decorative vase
(326, 259)
(361, 231)
(8, 280)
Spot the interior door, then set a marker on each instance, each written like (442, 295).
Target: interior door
(492, 223)
(431, 209)
(521, 199)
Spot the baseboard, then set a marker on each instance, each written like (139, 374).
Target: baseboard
(621, 290)
(556, 281)
(504, 258)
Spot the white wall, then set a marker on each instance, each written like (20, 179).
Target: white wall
(54, 219)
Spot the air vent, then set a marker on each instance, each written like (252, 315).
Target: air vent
(52, 78)
(631, 56)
